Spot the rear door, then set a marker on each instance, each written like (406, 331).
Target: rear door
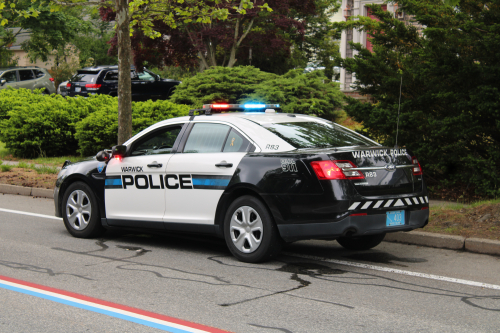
(135, 185)
(197, 177)
(26, 79)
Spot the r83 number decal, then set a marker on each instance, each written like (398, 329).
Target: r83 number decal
(370, 174)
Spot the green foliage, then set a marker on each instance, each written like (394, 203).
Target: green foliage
(219, 84)
(99, 130)
(45, 127)
(13, 98)
(39, 125)
(296, 92)
(450, 101)
(6, 167)
(174, 72)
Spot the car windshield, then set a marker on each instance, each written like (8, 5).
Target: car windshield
(83, 76)
(309, 134)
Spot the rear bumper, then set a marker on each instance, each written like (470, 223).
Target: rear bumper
(352, 225)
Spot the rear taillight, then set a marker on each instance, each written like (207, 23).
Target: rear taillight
(417, 171)
(333, 170)
(92, 86)
(68, 85)
(51, 79)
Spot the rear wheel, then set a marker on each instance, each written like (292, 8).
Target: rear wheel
(80, 211)
(361, 242)
(250, 232)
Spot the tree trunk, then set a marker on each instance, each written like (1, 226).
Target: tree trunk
(124, 62)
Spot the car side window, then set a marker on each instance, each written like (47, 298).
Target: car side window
(26, 74)
(206, 138)
(235, 142)
(160, 142)
(10, 77)
(38, 73)
(145, 76)
(111, 76)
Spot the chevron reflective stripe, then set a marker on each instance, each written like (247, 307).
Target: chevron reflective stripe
(399, 203)
(354, 205)
(367, 204)
(388, 203)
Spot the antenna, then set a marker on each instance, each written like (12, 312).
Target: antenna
(399, 108)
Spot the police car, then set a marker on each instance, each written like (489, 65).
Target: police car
(258, 178)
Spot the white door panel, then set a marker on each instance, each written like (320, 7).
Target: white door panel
(142, 192)
(193, 197)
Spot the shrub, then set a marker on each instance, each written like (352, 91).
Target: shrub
(42, 128)
(219, 84)
(11, 98)
(39, 125)
(296, 92)
(99, 130)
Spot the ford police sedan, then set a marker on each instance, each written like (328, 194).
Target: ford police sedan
(257, 178)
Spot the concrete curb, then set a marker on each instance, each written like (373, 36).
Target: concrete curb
(21, 190)
(427, 239)
(476, 245)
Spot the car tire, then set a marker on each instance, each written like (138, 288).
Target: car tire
(362, 242)
(81, 212)
(250, 232)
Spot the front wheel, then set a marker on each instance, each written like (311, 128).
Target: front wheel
(250, 232)
(80, 211)
(362, 242)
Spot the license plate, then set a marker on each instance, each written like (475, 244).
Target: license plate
(78, 89)
(395, 218)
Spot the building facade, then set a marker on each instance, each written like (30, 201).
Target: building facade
(357, 8)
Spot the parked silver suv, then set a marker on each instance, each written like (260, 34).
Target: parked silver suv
(29, 77)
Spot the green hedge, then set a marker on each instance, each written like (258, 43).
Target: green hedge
(219, 84)
(33, 124)
(298, 92)
(100, 129)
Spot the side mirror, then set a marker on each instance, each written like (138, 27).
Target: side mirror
(2, 82)
(119, 151)
(102, 156)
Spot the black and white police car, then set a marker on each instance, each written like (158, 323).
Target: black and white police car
(258, 178)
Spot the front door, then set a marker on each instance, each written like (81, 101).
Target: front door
(11, 79)
(197, 177)
(135, 186)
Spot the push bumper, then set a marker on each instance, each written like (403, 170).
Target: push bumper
(353, 226)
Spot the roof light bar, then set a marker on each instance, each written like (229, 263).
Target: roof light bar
(254, 106)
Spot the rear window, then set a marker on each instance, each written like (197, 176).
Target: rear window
(310, 134)
(85, 76)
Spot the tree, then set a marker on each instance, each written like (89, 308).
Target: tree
(142, 13)
(448, 78)
(274, 41)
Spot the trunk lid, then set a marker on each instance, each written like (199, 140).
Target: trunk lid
(376, 170)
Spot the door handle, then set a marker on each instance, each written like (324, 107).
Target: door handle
(155, 165)
(224, 164)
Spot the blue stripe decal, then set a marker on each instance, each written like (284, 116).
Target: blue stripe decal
(95, 309)
(210, 182)
(113, 182)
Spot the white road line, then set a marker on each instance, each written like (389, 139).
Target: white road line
(399, 271)
(30, 214)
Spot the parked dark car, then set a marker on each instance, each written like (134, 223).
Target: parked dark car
(104, 80)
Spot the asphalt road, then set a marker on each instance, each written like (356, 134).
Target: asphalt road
(314, 286)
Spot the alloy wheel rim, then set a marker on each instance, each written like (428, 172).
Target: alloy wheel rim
(246, 229)
(78, 210)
